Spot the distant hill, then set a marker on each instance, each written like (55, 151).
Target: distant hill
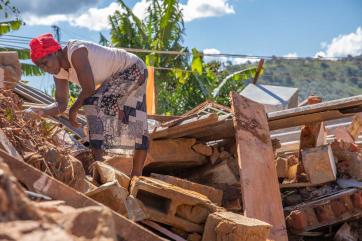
(328, 79)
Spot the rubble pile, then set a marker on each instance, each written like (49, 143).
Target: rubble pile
(36, 141)
(214, 173)
(23, 219)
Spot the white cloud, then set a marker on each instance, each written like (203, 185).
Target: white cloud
(140, 9)
(343, 45)
(245, 60)
(47, 20)
(291, 55)
(97, 18)
(224, 59)
(213, 51)
(195, 9)
(94, 18)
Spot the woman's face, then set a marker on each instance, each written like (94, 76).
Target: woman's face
(49, 64)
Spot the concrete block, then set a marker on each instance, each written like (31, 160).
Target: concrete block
(228, 226)
(172, 205)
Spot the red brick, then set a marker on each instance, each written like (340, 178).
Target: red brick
(357, 199)
(297, 220)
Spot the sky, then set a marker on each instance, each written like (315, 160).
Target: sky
(295, 28)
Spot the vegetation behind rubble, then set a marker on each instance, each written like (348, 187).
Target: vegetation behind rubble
(328, 79)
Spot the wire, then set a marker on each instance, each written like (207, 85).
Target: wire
(12, 46)
(167, 52)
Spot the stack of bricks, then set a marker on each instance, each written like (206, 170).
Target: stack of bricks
(326, 211)
(10, 71)
(191, 214)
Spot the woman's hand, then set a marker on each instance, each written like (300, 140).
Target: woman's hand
(73, 111)
(33, 112)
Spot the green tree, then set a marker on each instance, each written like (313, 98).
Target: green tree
(13, 23)
(190, 81)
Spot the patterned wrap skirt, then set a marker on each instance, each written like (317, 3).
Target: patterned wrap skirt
(116, 113)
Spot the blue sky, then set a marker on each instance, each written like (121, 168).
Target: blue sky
(254, 27)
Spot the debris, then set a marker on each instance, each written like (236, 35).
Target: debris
(355, 127)
(345, 233)
(55, 189)
(112, 195)
(325, 211)
(210, 166)
(228, 226)
(319, 164)
(213, 194)
(103, 173)
(202, 149)
(10, 70)
(172, 205)
(173, 153)
(256, 160)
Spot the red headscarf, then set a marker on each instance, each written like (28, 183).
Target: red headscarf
(42, 46)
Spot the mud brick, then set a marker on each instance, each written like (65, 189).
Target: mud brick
(172, 205)
(297, 220)
(324, 213)
(228, 226)
(329, 210)
(319, 164)
(338, 207)
(357, 199)
(311, 217)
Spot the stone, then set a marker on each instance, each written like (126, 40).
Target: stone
(319, 164)
(104, 173)
(228, 226)
(112, 195)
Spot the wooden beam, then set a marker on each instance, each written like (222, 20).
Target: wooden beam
(45, 184)
(173, 153)
(258, 176)
(186, 127)
(324, 111)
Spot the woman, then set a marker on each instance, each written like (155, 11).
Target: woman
(113, 84)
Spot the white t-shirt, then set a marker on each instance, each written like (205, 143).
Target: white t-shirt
(104, 61)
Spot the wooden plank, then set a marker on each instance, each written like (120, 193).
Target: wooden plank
(6, 145)
(173, 153)
(185, 127)
(215, 195)
(40, 182)
(162, 118)
(328, 110)
(258, 176)
(223, 127)
(163, 230)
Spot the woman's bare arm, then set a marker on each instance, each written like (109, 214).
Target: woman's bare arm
(84, 72)
(61, 98)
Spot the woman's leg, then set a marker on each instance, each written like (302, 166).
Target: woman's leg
(139, 158)
(97, 154)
